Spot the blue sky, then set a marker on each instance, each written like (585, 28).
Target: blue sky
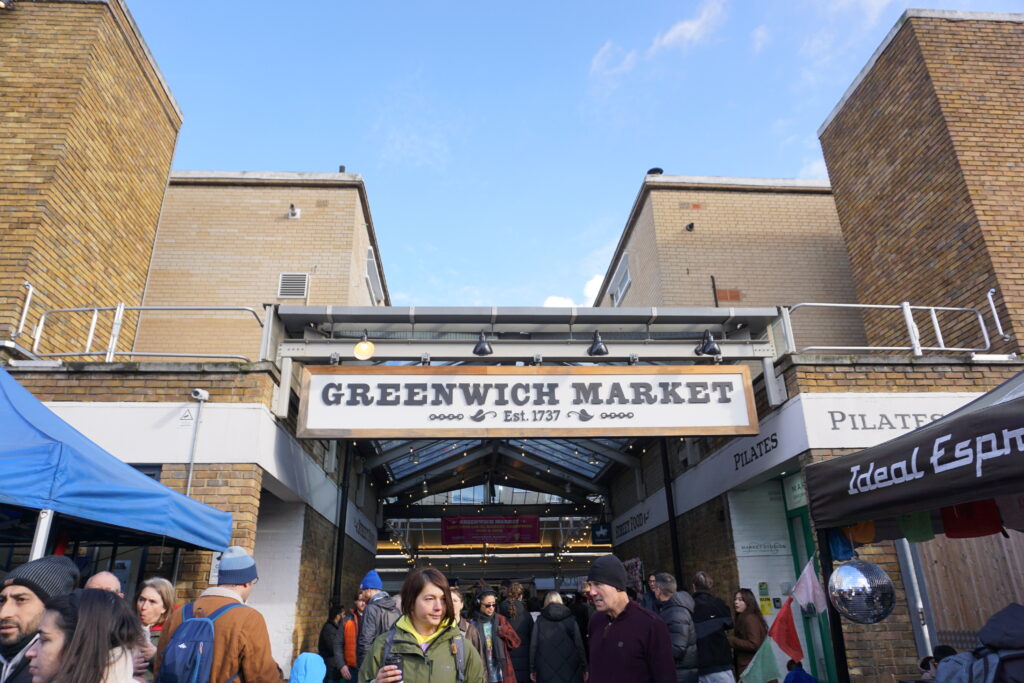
(503, 144)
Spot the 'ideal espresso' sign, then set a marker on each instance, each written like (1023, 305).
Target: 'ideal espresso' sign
(496, 401)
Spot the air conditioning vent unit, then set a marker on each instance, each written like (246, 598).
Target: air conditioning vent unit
(293, 286)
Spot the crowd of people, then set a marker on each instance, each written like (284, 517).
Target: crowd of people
(50, 630)
(430, 632)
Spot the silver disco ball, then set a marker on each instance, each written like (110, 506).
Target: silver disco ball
(861, 592)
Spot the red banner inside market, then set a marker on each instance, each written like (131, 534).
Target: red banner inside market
(490, 529)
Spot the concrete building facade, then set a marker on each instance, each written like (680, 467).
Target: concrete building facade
(736, 242)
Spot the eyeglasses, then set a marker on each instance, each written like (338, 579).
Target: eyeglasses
(488, 605)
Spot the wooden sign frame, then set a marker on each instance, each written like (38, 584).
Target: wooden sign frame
(438, 372)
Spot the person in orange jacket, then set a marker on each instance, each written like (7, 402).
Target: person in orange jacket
(345, 646)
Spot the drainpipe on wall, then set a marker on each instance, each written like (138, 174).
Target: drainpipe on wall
(908, 568)
(339, 544)
(202, 396)
(677, 561)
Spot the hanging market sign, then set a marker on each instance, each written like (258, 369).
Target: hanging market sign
(498, 401)
(478, 529)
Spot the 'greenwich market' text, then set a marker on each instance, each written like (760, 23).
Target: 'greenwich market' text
(523, 393)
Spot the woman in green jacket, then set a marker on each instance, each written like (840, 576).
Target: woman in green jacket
(426, 637)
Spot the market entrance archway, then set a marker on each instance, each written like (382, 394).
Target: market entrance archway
(447, 436)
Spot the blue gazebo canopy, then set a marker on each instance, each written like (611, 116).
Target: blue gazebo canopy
(46, 464)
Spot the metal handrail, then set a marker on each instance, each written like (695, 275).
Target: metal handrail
(908, 318)
(115, 331)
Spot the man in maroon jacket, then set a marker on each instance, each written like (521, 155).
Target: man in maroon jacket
(627, 642)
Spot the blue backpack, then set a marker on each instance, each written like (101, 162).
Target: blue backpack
(188, 658)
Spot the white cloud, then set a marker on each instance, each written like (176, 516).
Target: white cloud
(589, 294)
(612, 60)
(558, 302)
(691, 31)
(759, 38)
(813, 169)
(591, 289)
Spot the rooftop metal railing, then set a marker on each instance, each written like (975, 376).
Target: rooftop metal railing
(913, 332)
(117, 322)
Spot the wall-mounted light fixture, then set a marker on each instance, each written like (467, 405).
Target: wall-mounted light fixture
(597, 347)
(364, 348)
(483, 347)
(293, 212)
(708, 346)
(689, 227)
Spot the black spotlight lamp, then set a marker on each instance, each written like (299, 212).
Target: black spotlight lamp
(708, 346)
(597, 347)
(483, 347)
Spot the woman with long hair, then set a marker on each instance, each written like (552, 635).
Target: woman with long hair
(86, 636)
(513, 609)
(749, 631)
(556, 648)
(423, 642)
(497, 638)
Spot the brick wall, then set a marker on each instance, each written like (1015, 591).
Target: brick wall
(874, 651)
(127, 382)
(88, 134)
(319, 539)
(927, 194)
(232, 488)
(356, 561)
(815, 374)
(225, 242)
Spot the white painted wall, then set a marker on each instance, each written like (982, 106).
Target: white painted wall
(763, 550)
(154, 433)
(278, 551)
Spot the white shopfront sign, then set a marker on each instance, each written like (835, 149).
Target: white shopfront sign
(641, 518)
(849, 420)
(499, 401)
(359, 527)
(863, 420)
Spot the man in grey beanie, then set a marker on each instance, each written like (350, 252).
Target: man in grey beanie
(22, 600)
(627, 642)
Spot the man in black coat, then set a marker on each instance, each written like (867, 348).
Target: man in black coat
(711, 618)
(22, 600)
(676, 609)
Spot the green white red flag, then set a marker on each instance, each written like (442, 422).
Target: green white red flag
(764, 667)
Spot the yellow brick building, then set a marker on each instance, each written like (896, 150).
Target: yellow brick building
(249, 239)
(88, 131)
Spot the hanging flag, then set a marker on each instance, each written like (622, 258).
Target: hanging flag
(783, 632)
(807, 590)
(763, 667)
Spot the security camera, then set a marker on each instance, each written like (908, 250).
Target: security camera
(200, 395)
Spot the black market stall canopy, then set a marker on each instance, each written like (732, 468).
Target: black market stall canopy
(47, 465)
(974, 453)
